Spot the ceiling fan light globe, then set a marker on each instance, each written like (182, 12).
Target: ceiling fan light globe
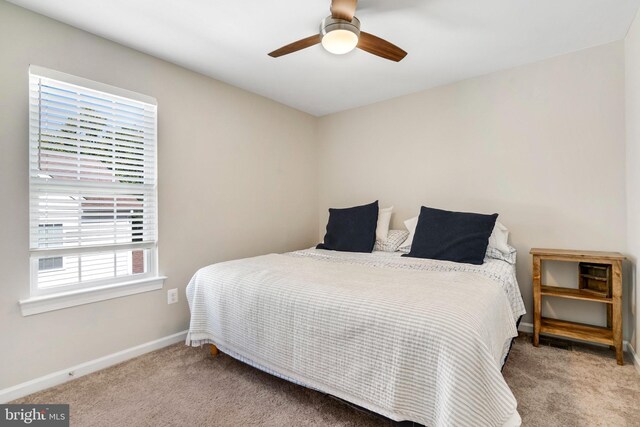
(340, 41)
(339, 36)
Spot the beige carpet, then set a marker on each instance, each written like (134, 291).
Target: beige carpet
(582, 386)
(181, 386)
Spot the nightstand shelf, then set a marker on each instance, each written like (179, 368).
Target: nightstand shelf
(576, 330)
(573, 293)
(603, 268)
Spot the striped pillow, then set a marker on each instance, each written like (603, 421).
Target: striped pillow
(394, 239)
(509, 257)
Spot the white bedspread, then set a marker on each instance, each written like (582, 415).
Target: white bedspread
(411, 339)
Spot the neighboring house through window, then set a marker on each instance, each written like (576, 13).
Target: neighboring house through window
(50, 263)
(92, 184)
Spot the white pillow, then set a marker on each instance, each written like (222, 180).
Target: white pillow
(382, 229)
(411, 225)
(499, 237)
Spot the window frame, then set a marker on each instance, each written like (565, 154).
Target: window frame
(148, 280)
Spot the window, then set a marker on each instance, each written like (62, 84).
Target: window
(92, 184)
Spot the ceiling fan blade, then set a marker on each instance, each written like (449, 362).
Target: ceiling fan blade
(296, 46)
(380, 47)
(343, 9)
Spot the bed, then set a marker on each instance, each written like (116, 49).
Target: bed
(411, 339)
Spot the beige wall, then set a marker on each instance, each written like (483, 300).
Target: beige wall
(237, 177)
(542, 145)
(632, 74)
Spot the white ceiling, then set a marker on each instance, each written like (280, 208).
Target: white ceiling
(447, 40)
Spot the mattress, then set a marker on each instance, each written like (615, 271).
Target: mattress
(411, 339)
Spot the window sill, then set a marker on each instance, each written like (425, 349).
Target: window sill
(62, 300)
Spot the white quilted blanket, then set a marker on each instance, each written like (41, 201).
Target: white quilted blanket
(411, 339)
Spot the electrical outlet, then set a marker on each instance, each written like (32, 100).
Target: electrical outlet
(172, 296)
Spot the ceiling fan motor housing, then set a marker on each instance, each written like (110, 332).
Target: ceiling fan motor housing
(329, 24)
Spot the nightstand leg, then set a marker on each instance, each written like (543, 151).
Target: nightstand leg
(537, 312)
(617, 310)
(610, 321)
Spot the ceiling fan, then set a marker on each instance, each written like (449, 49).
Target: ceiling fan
(340, 33)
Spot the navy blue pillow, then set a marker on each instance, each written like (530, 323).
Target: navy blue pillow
(452, 236)
(351, 229)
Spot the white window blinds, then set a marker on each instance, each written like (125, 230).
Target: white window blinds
(92, 182)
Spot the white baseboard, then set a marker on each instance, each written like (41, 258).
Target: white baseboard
(636, 359)
(59, 377)
(528, 328)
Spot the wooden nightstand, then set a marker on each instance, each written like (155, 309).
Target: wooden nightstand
(612, 334)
